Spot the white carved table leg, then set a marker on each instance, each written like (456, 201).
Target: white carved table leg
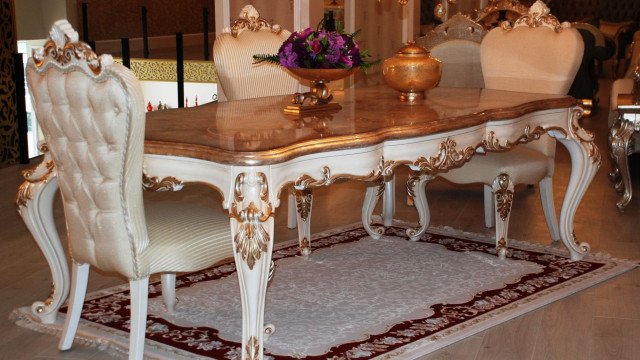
(416, 189)
(304, 200)
(503, 198)
(619, 139)
(35, 205)
(375, 190)
(585, 161)
(251, 214)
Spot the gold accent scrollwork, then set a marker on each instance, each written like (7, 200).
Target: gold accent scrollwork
(538, 15)
(168, 183)
(491, 143)
(40, 174)
(305, 244)
(253, 349)
(250, 19)
(448, 157)
(501, 244)
(252, 239)
(305, 181)
(584, 136)
(304, 199)
(504, 196)
(63, 46)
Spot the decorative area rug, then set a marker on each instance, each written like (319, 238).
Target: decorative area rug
(355, 297)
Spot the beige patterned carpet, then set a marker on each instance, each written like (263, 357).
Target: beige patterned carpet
(355, 297)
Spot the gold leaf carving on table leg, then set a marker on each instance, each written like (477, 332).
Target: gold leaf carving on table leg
(253, 349)
(252, 239)
(584, 136)
(303, 203)
(501, 246)
(305, 245)
(504, 196)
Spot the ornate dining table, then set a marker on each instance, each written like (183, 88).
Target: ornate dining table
(250, 151)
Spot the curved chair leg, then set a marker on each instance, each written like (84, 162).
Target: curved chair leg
(169, 292)
(291, 211)
(416, 189)
(489, 207)
(375, 190)
(304, 200)
(503, 195)
(389, 201)
(79, 279)
(139, 292)
(546, 195)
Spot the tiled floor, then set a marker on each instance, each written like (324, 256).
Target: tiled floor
(600, 323)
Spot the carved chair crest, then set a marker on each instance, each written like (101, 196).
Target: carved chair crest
(249, 19)
(538, 15)
(63, 48)
(488, 16)
(459, 26)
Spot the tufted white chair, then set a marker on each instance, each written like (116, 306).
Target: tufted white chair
(240, 78)
(92, 115)
(532, 59)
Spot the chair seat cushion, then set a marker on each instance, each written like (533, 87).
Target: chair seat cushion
(523, 165)
(185, 237)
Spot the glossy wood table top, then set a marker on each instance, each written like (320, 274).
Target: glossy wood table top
(258, 132)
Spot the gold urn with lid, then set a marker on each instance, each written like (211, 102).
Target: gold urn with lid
(412, 71)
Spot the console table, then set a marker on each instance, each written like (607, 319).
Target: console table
(621, 145)
(250, 151)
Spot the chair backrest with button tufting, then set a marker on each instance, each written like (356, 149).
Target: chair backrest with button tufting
(92, 115)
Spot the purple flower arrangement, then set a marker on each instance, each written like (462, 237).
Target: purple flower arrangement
(319, 49)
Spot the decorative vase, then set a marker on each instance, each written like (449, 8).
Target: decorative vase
(412, 71)
(318, 98)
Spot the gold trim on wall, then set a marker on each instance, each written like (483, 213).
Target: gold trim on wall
(195, 71)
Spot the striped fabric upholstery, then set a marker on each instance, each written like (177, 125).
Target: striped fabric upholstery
(93, 121)
(239, 77)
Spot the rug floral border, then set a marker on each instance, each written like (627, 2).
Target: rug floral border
(112, 310)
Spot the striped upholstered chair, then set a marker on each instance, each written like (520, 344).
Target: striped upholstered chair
(92, 114)
(233, 53)
(537, 55)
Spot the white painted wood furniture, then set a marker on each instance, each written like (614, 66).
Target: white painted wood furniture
(92, 114)
(540, 55)
(251, 151)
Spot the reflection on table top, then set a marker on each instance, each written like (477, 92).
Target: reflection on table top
(258, 132)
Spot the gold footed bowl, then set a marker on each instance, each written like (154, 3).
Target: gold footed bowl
(412, 71)
(318, 98)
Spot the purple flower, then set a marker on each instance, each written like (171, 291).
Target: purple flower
(320, 49)
(288, 57)
(315, 46)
